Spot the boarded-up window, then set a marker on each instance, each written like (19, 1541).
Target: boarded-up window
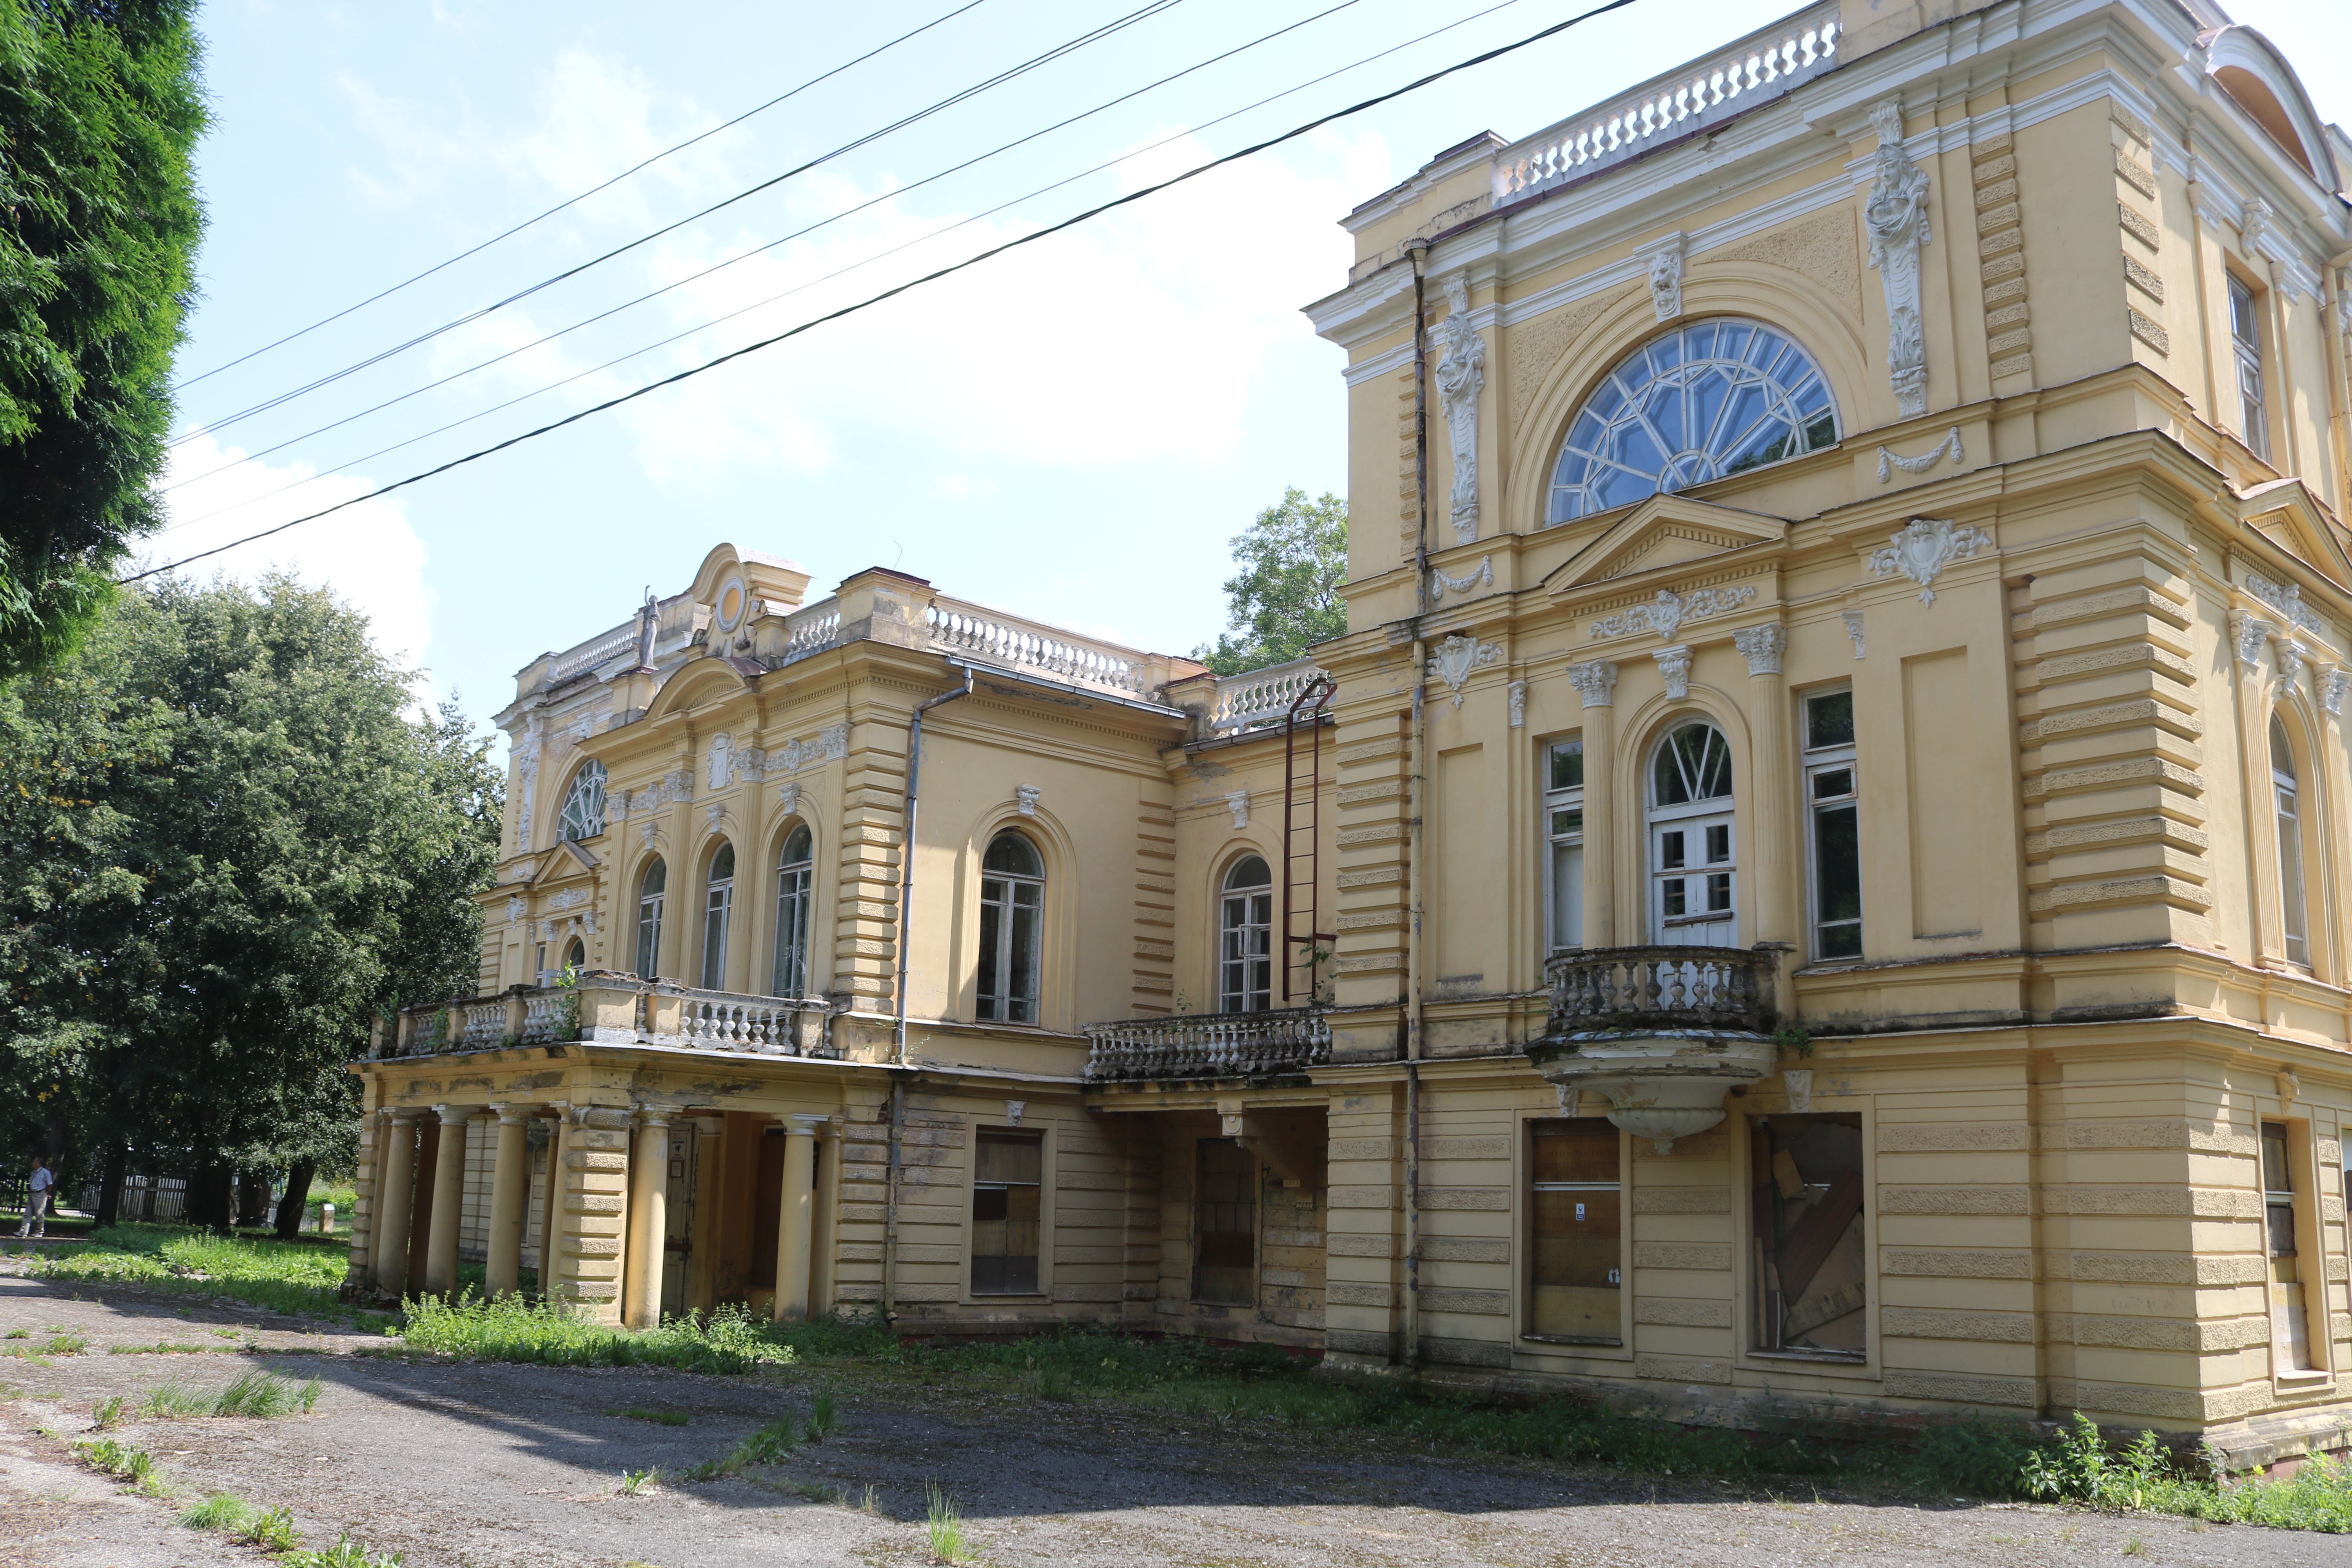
(1007, 1171)
(1575, 1285)
(1224, 1230)
(2290, 1316)
(1811, 1263)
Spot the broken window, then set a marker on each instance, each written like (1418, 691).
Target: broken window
(1008, 1172)
(1811, 1263)
(1576, 1276)
(2290, 1319)
(1225, 1240)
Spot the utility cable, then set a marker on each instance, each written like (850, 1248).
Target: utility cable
(1153, 8)
(575, 201)
(893, 194)
(968, 262)
(802, 288)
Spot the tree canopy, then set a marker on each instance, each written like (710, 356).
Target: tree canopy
(100, 105)
(228, 844)
(1286, 598)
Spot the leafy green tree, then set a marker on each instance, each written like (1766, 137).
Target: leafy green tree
(230, 845)
(100, 105)
(1286, 597)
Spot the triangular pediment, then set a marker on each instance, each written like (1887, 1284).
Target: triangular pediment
(2286, 513)
(1665, 530)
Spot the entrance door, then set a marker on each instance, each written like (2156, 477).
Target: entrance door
(677, 1239)
(1693, 869)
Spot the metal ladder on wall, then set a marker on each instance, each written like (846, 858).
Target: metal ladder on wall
(1305, 945)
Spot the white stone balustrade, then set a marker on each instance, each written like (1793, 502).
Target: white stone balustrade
(724, 1020)
(1260, 697)
(596, 650)
(809, 630)
(1760, 67)
(993, 636)
(1209, 1045)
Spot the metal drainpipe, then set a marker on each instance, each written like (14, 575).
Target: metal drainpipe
(898, 1027)
(1415, 800)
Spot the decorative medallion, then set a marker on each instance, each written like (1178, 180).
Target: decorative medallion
(1924, 547)
(1456, 656)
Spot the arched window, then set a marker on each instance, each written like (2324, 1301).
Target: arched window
(649, 917)
(1011, 918)
(1245, 939)
(576, 955)
(1690, 406)
(795, 877)
(718, 904)
(584, 804)
(1692, 873)
(2288, 795)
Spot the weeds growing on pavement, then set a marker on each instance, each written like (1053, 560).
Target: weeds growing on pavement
(659, 1417)
(635, 1483)
(944, 1529)
(107, 1412)
(165, 1347)
(20, 1333)
(65, 1344)
(223, 1511)
(124, 1464)
(729, 1339)
(822, 1420)
(2085, 1468)
(344, 1554)
(294, 1277)
(266, 1395)
(272, 1531)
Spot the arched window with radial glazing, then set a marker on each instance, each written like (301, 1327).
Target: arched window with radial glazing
(1692, 404)
(650, 890)
(795, 884)
(584, 804)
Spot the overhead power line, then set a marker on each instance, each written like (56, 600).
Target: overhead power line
(940, 232)
(893, 194)
(593, 190)
(968, 262)
(1095, 36)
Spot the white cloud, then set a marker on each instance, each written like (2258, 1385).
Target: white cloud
(367, 555)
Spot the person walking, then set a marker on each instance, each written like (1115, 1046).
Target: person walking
(37, 1200)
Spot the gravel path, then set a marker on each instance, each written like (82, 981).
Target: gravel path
(487, 1466)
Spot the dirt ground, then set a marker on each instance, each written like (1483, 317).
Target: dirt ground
(486, 1466)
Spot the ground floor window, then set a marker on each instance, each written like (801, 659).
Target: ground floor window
(2290, 1316)
(1809, 1261)
(1575, 1256)
(1007, 1182)
(1225, 1233)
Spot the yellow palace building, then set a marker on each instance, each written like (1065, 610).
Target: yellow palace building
(1817, 882)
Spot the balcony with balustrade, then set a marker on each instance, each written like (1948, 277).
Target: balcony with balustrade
(601, 1008)
(1212, 1047)
(1661, 1033)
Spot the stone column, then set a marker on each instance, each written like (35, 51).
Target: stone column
(795, 1218)
(449, 1202)
(509, 1193)
(1779, 901)
(550, 1205)
(1596, 683)
(392, 1204)
(649, 1222)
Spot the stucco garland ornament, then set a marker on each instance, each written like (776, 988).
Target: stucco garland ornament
(1897, 216)
(1456, 656)
(1440, 584)
(1665, 614)
(1924, 547)
(1461, 377)
(1889, 461)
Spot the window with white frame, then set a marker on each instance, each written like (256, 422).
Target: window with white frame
(718, 907)
(650, 888)
(795, 883)
(1245, 938)
(1564, 834)
(2246, 349)
(2287, 796)
(1832, 826)
(1012, 922)
(584, 804)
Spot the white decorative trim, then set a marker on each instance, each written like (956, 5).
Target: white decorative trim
(718, 769)
(1595, 682)
(1924, 547)
(516, 909)
(1888, 461)
(788, 800)
(1456, 656)
(2250, 632)
(1675, 663)
(1852, 619)
(713, 814)
(1519, 691)
(1013, 1111)
(1799, 1082)
(1761, 647)
(1025, 798)
(1440, 584)
(1461, 377)
(1666, 613)
(650, 834)
(1665, 260)
(828, 744)
(2292, 659)
(1897, 220)
(1238, 803)
(2253, 222)
(2286, 598)
(568, 899)
(2332, 689)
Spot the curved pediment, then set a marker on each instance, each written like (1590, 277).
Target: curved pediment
(1663, 530)
(2249, 69)
(704, 681)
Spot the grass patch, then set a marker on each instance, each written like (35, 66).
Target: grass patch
(283, 1277)
(2084, 1467)
(659, 1417)
(165, 1347)
(65, 1344)
(823, 1419)
(636, 1483)
(943, 1529)
(771, 1445)
(344, 1554)
(223, 1511)
(508, 1328)
(260, 1395)
(124, 1464)
(109, 1412)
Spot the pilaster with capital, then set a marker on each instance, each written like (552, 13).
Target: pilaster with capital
(649, 1220)
(2248, 634)
(509, 1193)
(1596, 683)
(1776, 823)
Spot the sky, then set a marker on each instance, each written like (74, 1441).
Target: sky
(1072, 431)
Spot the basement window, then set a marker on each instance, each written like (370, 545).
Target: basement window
(1008, 1172)
(1808, 1256)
